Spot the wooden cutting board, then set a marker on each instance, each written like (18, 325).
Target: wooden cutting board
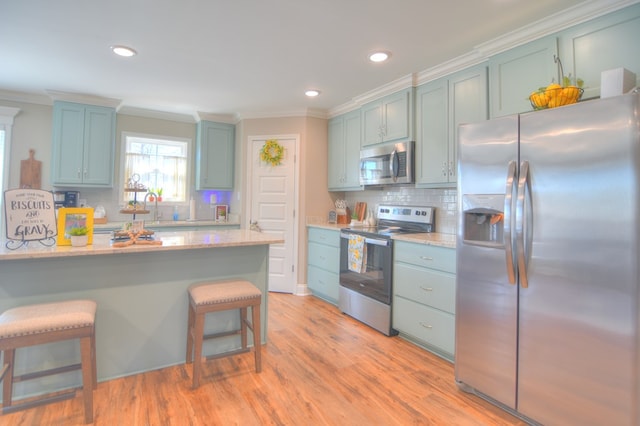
(31, 172)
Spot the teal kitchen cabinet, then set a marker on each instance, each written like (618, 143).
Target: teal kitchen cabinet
(601, 44)
(424, 296)
(323, 263)
(514, 74)
(344, 152)
(388, 119)
(441, 106)
(215, 151)
(83, 148)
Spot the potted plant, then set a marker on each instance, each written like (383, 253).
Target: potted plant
(79, 236)
(159, 193)
(152, 196)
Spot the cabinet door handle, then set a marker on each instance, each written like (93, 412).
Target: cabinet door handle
(85, 172)
(426, 258)
(427, 288)
(425, 325)
(444, 168)
(79, 175)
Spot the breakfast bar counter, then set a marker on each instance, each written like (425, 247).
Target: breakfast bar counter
(141, 292)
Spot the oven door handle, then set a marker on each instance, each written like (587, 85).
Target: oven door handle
(374, 241)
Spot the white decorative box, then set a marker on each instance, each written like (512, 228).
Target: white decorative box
(616, 82)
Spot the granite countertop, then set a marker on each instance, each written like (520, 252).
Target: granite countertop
(178, 240)
(165, 224)
(431, 238)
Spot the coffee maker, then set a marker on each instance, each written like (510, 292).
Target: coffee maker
(66, 199)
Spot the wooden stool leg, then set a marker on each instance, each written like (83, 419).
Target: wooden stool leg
(94, 364)
(198, 337)
(8, 359)
(87, 377)
(257, 340)
(190, 324)
(243, 327)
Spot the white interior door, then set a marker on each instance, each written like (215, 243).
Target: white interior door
(272, 200)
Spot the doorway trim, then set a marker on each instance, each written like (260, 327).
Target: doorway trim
(296, 288)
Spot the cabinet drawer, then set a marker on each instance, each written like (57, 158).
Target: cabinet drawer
(325, 236)
(441, 258)
(325, 257)
(429, 287)
(428, 325)
(323, 283)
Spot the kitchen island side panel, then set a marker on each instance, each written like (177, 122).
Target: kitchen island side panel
(142, 302)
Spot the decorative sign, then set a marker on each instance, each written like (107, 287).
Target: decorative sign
(30, 216)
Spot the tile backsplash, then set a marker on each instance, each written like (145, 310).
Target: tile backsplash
(444, 200)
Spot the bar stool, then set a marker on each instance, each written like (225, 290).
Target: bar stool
(222, 296)
(45, 323)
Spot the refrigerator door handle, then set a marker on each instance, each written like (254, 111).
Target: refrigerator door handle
(522, 222)
(508, 220)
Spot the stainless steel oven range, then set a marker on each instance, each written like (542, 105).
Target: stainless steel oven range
(366, 263)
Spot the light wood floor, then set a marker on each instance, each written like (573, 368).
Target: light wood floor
(320, 367)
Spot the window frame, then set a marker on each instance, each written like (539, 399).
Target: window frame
(123, 158)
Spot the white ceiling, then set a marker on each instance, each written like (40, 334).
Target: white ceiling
(242, 57)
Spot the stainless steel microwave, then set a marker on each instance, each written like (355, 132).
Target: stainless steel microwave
(387, 164)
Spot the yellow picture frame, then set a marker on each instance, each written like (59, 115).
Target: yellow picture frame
(70, 217)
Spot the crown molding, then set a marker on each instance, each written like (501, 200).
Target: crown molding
(23, 97)
(305, 112)
(83, 98)
(377, 93)
(577, 14)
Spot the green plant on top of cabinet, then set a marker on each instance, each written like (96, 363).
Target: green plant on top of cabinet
(601, 44)
(83, 148)
(323, 263)
(442, 105)
(215, 146)
(514, 74)
(388, 119)
(344, 152)
(424, 296)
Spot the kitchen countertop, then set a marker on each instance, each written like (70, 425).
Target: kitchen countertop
(165, 224)
(178, 240)
(431, 238)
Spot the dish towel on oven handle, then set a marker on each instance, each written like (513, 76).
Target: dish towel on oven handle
(357, 253)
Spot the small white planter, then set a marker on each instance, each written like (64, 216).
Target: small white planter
(79, 240)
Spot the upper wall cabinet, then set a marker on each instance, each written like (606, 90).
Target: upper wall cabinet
(344, 152)
(602, 44)
(215, 147)
(83, 148)
(514, 74)
(388, 119)
(441, 106)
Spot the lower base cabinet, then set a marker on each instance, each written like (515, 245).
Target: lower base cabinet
(424, 296)
(323, 263)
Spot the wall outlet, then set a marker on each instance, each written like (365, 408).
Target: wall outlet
(82, 202)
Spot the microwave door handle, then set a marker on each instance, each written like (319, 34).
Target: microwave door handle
(393, 165)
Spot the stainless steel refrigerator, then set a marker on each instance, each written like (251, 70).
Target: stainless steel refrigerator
(547, 321)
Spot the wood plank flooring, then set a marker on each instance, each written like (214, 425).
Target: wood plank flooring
(320, 367)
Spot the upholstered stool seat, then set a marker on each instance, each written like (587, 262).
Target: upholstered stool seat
(46, 323)
(222, 296)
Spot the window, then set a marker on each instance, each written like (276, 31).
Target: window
(161, 163)
(7, 115)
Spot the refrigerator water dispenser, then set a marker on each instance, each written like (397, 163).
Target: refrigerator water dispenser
(483, 219)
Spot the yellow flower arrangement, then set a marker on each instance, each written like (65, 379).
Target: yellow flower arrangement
(272, 152)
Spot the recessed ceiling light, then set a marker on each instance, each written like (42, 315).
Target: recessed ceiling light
(312, 93)
(379, 56)
(123, 51)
